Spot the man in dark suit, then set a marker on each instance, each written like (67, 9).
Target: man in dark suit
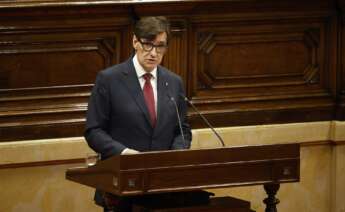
(132, 106)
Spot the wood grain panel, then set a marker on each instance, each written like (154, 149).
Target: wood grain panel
(249, 70)
(42, 61)
(42, 112)
(257, 56)
(176, 56)
(48, 67)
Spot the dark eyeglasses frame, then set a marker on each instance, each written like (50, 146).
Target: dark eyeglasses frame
(148, 46)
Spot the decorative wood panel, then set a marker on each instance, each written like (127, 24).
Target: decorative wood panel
(47, 70)
(275, 66)
(176, 57)
(35, 62)
(256, 59)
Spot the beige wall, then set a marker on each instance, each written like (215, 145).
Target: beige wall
(28, 186)
(42, 189)
(37, 188)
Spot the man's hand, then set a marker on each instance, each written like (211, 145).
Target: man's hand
(129, 151)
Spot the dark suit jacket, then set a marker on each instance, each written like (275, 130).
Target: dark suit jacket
(117, 115)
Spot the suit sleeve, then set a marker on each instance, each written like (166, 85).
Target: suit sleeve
(97, 121)
(178, 142)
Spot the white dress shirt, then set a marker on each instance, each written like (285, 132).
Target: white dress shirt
(140, 73)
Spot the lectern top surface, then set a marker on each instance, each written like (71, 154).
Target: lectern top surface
(204, 156)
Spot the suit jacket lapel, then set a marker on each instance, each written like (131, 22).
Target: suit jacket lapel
(162, 97)
(131, 81)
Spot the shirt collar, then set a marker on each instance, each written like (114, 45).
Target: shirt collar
(140, 70)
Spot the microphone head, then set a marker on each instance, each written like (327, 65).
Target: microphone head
(184, 97)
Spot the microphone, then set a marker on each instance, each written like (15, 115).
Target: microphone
(178, 118)
(203, 118)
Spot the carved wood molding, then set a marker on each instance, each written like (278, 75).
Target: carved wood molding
(60, 3)
(42, 112)
(21, 56)
(266, 61)
(208, 73)
(234, 58)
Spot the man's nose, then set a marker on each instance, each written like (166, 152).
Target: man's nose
(153, 51)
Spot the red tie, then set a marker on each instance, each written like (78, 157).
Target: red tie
(149, 98)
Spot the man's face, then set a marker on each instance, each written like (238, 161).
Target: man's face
(150, 52)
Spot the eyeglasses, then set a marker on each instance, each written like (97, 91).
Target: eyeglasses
(148, 46)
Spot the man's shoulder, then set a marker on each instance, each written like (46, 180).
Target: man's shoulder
(112, 73)
(115, 69)
(168, 73)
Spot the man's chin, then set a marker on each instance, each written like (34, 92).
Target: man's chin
(150, 67)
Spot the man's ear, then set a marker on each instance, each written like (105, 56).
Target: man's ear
(135, 42)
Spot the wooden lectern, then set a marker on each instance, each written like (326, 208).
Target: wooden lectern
(187, 170)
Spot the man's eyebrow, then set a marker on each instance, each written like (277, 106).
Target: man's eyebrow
(152, 42)
(158, 43)
(162, 42)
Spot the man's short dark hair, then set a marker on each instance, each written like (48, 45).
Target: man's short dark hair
(149, 27)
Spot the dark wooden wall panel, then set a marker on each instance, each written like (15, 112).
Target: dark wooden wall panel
(58, 67)
(43, 58)
(48, 65)
(258, 57)
(243, 62)
(263, 68)
(340, 55)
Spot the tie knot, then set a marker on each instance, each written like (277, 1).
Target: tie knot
(147, 76)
